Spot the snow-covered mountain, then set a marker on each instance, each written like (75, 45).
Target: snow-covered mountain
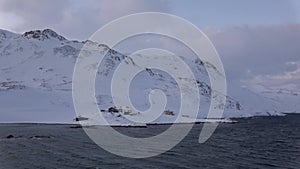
(36, 71)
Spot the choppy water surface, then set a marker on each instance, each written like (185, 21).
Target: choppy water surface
(260, 142)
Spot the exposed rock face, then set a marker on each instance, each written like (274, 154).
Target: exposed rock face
(42, 35)
(10, 136)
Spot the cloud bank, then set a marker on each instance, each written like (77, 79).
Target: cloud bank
(72, 18)
(267, 55)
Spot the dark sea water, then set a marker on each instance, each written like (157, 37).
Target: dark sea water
(260, 142)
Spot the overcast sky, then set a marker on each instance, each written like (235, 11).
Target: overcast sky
(258, 40)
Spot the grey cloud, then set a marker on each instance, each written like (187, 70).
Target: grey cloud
(75, 19)
(35, 12)
(248, 52)
(93, 17)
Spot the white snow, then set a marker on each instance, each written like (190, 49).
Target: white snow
(36, 81)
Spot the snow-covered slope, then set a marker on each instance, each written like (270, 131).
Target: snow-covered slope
(36, 81)
(286, 100)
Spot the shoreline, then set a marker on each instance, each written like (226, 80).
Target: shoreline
(201, 121)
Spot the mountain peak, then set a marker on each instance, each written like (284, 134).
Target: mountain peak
(4, 34)
(43, 34)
